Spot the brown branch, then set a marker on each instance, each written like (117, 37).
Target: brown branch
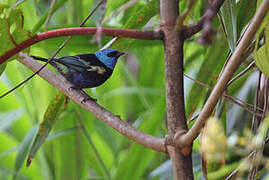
(127, 33)
(101, 113)
(189, 137)
(204, 22)
(176, 120)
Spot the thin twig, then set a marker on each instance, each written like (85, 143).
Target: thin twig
(265, 97)
(204, 22)
(192, 119)
(237, 169)
(232, 99)
(245, 56)
(30, 77)
(91, 13)
(250, 66)
(184, 15)
(255, 161)
(224, 94)
(98, 35)
(52, 5)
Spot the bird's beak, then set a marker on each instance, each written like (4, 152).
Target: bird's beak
(120, 54)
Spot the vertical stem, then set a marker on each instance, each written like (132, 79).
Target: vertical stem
(173, 46)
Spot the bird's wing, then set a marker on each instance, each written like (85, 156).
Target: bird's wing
(81, 63)
(90, 58)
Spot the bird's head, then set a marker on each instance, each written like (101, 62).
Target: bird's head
(109, 57)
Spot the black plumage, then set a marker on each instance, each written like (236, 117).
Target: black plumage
(86, 70)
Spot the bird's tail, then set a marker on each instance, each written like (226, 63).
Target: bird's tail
(40, 58)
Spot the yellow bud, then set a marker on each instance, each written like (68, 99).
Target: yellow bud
(213, 141)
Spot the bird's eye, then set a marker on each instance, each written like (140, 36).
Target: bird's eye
(112, 54)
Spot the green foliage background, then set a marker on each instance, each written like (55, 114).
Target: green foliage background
(135, 92)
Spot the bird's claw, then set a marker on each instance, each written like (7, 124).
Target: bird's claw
(87, 99)
(73, 88)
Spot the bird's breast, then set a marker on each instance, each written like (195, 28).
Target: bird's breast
(88, 79)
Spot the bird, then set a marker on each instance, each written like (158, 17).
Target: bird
(86, 70)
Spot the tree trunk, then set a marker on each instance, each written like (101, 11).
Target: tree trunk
(173, 46)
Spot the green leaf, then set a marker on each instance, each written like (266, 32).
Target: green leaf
(15, 17)
(138, 157)
(114, 5)
(261, 60)
(61, 133)
(143, 15)
(243, 18)
(262, 55)
(223, 172)
(207, 73)
(11, 29)
(258, 140)
(23, 150)
(18, 2)
(20, 35)
(2, 68)
(49, 120)
(8, 118)
(229, 20)
(11, 150)
(5, 40)
(42, 20)
(246, 92)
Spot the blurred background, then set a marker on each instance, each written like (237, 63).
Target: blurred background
(136, 92)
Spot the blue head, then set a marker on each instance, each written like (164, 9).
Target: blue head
(109, 57)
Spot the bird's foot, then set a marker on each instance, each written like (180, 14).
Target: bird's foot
(74, 88)
(86, 98)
